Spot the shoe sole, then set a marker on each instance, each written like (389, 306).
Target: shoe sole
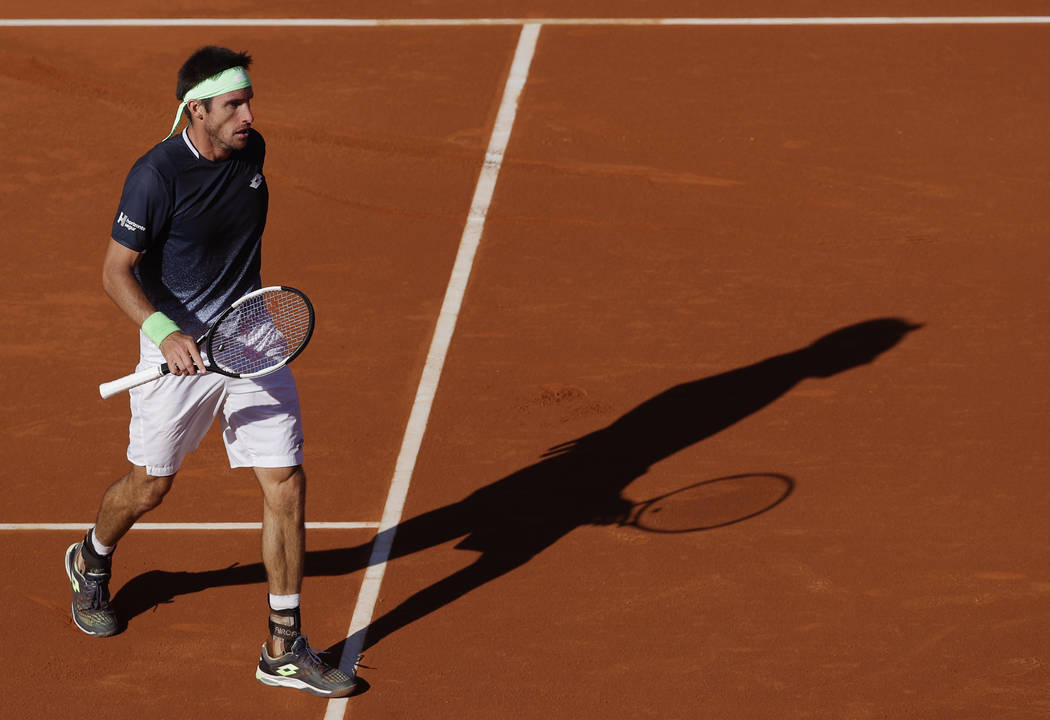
(70, 554)
(300, 685)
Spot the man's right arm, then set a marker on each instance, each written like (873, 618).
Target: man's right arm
(118, 280)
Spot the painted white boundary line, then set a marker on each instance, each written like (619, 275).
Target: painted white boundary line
(189, 526)
(439, 345)
(459, 22)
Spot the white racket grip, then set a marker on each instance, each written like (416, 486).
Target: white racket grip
(109, 389)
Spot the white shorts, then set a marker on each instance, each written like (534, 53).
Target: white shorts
(260, 419)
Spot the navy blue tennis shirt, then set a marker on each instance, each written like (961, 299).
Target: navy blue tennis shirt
(199, 225)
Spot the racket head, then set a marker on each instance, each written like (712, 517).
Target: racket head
(260, 333)
(712, 503)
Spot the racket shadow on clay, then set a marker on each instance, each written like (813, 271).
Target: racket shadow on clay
(578, 483)
(711, 504)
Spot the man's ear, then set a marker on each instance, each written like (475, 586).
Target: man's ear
(196, 108)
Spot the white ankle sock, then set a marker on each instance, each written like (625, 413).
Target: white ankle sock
(284, 602)
(100, 549)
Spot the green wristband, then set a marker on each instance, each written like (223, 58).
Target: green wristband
(158, 326)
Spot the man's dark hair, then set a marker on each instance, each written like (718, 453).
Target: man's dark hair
(208, 62)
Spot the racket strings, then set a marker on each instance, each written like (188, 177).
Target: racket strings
(261, 333)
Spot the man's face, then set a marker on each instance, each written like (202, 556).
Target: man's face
(230, 118)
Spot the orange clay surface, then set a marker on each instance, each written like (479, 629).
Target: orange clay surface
(680, 213)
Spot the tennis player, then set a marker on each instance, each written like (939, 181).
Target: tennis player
(186, 243)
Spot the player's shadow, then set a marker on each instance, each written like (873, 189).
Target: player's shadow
(577, 483)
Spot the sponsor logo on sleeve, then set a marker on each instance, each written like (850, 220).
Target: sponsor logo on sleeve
(128, 223)
(256, 181)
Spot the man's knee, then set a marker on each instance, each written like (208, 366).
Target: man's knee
(147, 491)
(283, 488)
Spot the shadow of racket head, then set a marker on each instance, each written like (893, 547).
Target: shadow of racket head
(712, 503)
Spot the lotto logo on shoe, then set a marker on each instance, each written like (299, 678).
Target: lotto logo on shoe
(128, 223)
(286, 670)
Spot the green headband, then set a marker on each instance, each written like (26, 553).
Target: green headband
(235, 78)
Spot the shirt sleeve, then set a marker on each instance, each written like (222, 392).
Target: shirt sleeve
(145, 209)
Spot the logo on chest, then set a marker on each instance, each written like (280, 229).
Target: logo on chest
(256, 181)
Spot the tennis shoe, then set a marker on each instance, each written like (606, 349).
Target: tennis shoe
(300, 668)
(91, 610)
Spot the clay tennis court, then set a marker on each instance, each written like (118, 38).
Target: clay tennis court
(679, 213)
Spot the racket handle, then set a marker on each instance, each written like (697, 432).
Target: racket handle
(109, 389)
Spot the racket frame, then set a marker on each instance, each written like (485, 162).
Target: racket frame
(209, 336)
(109, 389)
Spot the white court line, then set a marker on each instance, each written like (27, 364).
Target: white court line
(189, 526)
(459, 22)
(446, 325)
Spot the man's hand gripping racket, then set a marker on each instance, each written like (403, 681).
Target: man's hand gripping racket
(257, 335)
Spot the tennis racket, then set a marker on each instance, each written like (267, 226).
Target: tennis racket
(258, 334)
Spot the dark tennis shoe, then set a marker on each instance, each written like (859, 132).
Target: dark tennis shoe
(300, 668)
(91, 610)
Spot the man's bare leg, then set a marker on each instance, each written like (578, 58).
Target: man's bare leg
(124, 502)
(283, 546)
(88, 563)
(287, 660)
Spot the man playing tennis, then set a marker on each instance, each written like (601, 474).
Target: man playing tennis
(186, 243)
